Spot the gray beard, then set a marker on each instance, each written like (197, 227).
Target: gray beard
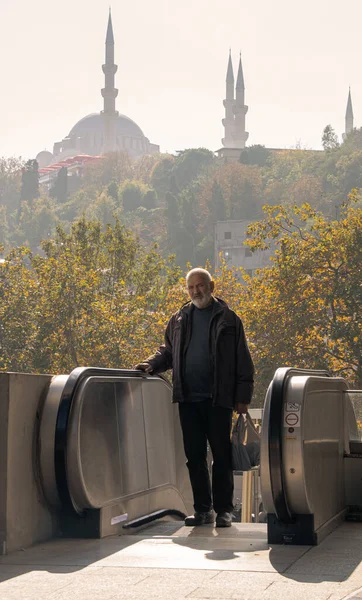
(202, 302)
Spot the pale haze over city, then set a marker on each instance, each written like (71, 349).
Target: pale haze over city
(299, 60)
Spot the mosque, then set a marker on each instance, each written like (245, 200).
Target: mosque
(106, 131)
(235, 111)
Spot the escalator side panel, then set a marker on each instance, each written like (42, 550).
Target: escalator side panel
(159, 433)
(106, 443)
(323, 447)
(265, 480)
(123, 444)
(47, 439)
(273, 473)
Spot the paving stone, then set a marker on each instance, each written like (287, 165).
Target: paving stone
(171, 562)
(232, 585)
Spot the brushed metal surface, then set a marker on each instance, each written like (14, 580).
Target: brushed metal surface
(124, 441)
(313, 453)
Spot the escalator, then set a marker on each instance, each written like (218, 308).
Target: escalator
(111, 454)
(110, 439)
(311, 466)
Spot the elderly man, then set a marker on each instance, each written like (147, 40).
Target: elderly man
(205, 346)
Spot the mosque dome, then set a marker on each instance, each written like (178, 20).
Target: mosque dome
(44, 158)
(94, 124)
(107, 131)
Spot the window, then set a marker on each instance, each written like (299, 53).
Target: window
(227, 235)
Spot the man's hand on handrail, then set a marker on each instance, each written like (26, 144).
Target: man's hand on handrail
(145, 367)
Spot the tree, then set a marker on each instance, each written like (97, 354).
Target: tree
(103, 209)
(132, 193)
(160, 175)
(217, 204)
(241, 186)
(59, 189)
(305, 309)
(255, 155)
(10, 182)
(189, 227)
(94, 296)
(4, 227)
(329, 138)
(114, 166)
(37, 221)
(190, 164)
(30, 181)
(352, 141)
(150, 199)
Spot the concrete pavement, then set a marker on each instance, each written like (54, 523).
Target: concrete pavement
(169, 561)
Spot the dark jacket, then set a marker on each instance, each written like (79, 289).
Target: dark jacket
(231, 362)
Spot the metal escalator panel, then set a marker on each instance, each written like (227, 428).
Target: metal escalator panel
(98, 432)
(111, 436)
(120, 439)
(313, 446)
(162, 433)
(274, 436)
(308, 425)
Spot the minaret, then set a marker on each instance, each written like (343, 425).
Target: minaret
(109, 92)
(228, 122)
(240, 110)
(349, 115)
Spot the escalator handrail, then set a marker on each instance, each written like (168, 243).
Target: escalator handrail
(75, 379)
(275, 438)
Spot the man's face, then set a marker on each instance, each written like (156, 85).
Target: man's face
(200, 290)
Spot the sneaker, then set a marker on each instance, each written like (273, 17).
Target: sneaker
(224, 519)
(200, 518)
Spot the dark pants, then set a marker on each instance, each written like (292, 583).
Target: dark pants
(202, 422)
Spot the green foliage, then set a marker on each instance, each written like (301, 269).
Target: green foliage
(135, 194)
(160, 175)
(94, 296)
(30, 180)
(115, 166)
(204, 191)
(255, 155)
(305, 309)
(10, 182)
(37, 221)
(90, 298)
(59, 190)
(189, 164)
(217, 204)
(329, 138)
(4, 226)
(352, 142)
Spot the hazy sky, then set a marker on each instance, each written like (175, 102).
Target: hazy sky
(299, 58)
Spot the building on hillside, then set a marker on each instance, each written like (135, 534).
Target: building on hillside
(74, 166)
(229, 245)
(106, 131)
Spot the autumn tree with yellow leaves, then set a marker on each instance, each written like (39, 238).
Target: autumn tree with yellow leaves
(305, 309)
(94, 296)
